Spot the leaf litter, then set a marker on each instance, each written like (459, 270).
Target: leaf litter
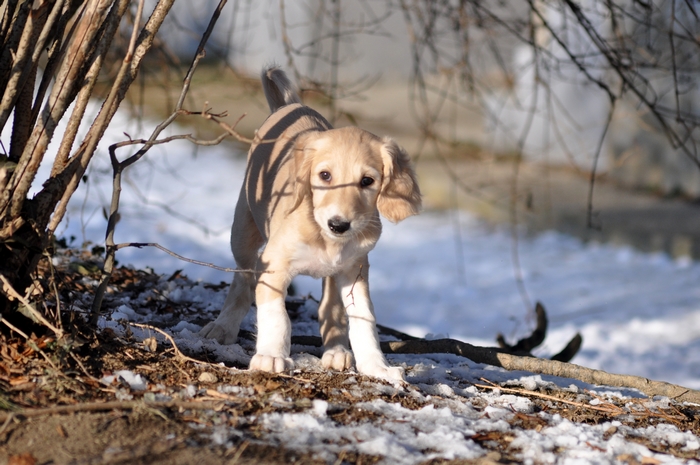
(145, 388)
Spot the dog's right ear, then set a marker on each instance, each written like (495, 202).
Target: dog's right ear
(302, 156)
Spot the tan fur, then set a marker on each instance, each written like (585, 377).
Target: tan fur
(314, 226)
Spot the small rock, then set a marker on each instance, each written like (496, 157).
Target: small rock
(207, 377)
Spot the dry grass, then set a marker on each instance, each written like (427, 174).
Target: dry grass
(71, 417)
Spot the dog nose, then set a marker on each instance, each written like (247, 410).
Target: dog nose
(338, 225)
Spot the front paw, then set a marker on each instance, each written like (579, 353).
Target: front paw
(383, 371)
(220, 333)
(337, 358)
(271, 363)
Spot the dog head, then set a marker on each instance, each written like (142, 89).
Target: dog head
(349, 175)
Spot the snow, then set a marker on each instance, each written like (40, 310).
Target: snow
(135, 381)
(638, 314)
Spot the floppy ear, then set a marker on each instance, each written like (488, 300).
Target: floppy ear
(302, 155)
(399, 196)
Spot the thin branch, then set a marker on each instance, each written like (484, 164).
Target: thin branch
(599, 149)
(118, 167)
(11, 293)
(185, 259)
(14, 328)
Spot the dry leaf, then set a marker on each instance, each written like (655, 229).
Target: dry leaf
(272, 385)
(207, 377)
(19, 380)
(22, 459)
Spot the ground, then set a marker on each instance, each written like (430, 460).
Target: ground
(112, 396)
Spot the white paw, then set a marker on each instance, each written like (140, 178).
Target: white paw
(381, 370)
(271, 364)
(220, 333)
(337, 358)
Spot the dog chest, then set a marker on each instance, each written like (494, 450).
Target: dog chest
(320, 263)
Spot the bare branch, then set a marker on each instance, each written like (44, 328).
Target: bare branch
(11, 293)
(184, 259)
(510, 362)
(118, 168)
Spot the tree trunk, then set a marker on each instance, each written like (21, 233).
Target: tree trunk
(26, 33)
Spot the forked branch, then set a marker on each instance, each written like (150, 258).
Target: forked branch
(118, 167)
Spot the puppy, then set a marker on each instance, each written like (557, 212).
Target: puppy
(310, 204)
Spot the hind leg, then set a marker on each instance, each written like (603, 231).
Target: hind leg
(333, 321)
(245, 243)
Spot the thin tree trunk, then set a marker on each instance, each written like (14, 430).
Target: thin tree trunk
(27, 225)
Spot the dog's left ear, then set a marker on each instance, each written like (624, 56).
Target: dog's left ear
(399, 196)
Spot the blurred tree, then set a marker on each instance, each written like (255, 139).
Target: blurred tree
(600, 85)
(586, 82)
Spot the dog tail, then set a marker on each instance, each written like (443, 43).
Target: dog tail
(278, 88)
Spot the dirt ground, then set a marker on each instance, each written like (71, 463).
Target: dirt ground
(55, 407)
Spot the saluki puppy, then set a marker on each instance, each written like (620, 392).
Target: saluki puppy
(310, 204)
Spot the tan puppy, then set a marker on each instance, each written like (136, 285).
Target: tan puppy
(311, 201)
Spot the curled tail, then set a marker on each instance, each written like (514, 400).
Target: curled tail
(278, 89)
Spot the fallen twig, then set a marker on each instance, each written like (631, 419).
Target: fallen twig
(178, 353)
(500, 358)
(616, 410)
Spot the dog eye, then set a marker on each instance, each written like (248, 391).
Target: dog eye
(366, 181)
(325, 176)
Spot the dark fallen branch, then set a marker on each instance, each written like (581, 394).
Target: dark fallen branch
(533, 340)
(500, 358)
(518, 357)
(397, 334)
(524, 346)
(570, 350)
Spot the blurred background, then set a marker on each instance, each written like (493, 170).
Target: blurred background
(529, 122)
(577, 116)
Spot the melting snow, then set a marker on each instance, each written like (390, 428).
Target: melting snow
(638, 313)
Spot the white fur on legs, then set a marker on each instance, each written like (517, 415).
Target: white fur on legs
(364, 338)
(274, 338)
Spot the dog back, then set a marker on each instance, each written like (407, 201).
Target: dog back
(271, 173)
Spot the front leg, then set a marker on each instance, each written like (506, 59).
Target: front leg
(274, 328)
(333, 322)
(354, 290)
